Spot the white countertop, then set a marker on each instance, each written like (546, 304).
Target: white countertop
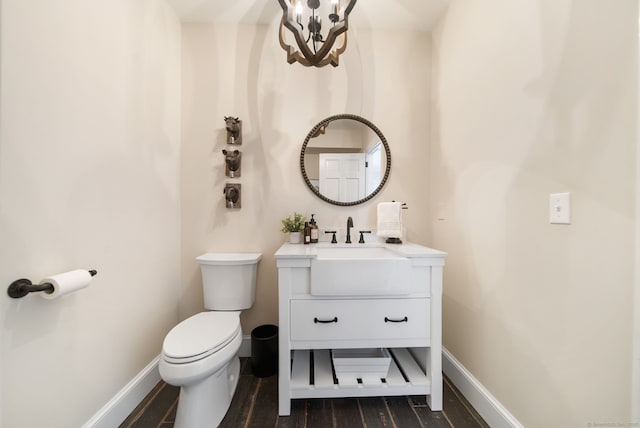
(310, 251)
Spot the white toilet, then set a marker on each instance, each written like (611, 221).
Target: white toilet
(200, 355)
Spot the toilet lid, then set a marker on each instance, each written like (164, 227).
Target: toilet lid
(203, 333)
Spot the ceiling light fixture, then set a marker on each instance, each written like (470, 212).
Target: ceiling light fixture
(314, 49)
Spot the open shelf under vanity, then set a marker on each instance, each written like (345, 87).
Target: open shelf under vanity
(313, 376)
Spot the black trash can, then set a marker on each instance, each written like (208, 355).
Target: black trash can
(264, 350)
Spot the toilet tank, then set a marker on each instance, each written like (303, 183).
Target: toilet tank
(229, 280)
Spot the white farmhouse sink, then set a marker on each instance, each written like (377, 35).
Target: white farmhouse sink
(359, 271)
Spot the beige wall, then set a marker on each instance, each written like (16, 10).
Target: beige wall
(242, 71)
(529, 98)
(89, 149)
(532, 98)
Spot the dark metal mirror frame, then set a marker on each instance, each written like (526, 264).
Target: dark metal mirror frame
(319, 128)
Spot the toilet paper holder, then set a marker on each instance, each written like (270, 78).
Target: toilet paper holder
(21, 287)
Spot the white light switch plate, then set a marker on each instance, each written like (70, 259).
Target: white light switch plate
(560, 208)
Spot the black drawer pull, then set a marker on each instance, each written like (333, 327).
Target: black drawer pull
(405, 319)
(316, 320)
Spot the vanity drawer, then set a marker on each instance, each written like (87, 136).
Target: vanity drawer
(313, 320)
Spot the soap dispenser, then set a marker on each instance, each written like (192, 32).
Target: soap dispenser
(314, 230)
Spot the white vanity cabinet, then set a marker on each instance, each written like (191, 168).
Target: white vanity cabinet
(408, 324)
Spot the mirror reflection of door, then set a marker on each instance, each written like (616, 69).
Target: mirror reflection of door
(342, 176)
(374, 169)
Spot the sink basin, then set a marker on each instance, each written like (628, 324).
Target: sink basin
(359, 271)
(356, 253)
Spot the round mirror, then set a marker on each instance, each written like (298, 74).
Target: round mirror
(345, 160)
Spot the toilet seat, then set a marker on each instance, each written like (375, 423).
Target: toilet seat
(200, 336)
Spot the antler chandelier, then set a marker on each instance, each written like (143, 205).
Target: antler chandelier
(314, 49)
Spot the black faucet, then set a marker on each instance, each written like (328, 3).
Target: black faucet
(349, 226)
(362, 232)
(333, 238)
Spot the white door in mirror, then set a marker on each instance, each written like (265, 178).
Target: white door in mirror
(342, 176)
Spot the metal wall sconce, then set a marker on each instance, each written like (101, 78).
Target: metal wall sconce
(234, 130)
(232, 161)
(232, 195)
(314, 49)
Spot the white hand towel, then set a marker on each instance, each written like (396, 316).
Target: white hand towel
(390, 219)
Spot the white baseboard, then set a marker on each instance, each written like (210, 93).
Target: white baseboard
(245, 347)
(494, 413)
(122, 404)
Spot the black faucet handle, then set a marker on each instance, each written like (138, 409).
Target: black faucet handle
(361, 241)
(333, 240)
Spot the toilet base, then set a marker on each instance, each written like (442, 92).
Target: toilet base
(204, 404)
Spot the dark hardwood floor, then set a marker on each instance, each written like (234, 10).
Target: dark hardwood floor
(255, 405)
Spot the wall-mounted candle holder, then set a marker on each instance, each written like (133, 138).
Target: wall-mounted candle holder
(232, 195)
(234, 130)
(232, 160)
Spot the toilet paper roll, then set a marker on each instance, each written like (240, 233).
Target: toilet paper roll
(67, 282)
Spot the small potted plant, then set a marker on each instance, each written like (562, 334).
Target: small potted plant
(294, 225)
